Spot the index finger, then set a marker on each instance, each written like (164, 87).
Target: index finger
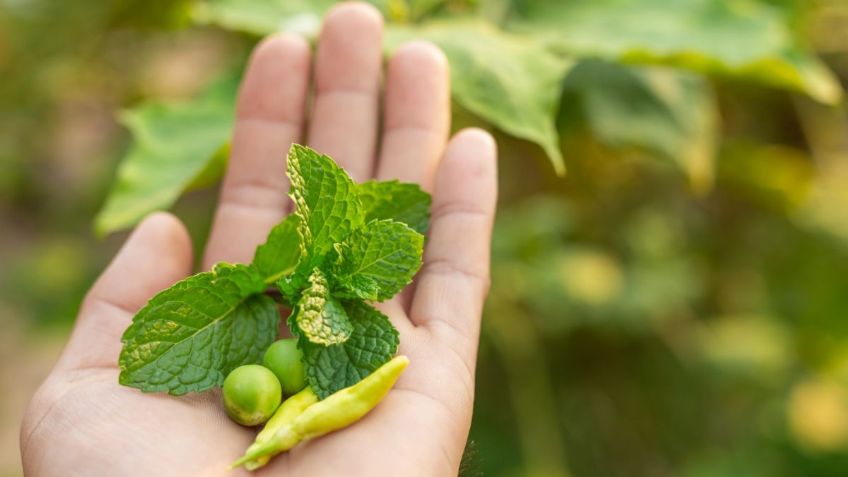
(269, 118)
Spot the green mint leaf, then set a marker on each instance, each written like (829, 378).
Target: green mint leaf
(290, 286)
(319, 317)
(326, 202)
(373, 342)
(401, 202)
(280, 252)
(378, 260)
(190, 336)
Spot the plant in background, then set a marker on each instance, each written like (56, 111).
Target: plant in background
(509, 60)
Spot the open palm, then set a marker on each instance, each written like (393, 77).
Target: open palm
(81, 422)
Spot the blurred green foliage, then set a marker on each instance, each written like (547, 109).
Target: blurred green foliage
(508, 59)
(674, 305)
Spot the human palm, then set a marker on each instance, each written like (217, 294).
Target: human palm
(81, 422)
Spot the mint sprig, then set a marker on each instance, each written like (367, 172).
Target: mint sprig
(345, 245)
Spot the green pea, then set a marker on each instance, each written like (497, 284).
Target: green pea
(286, 362)
(251, 394)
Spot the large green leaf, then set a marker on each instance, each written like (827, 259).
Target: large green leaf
(667, 113)
(190, 336)
(174, 146)
(262, 17)
(740, 38)
(509, 80)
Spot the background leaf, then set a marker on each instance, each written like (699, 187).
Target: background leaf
(508, 80)
(739, 38)
(667, 113)
(174, 144)
(261, 17)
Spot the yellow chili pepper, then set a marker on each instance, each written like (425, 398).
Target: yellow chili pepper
(286, 413)
(337, 411)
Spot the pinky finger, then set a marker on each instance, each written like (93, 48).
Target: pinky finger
(454, 279)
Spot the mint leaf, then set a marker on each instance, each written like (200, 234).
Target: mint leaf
(373, 342)
(320, 318)
(326, 201)
(378, 260)
(190, 336)
(280, 252)
(401, 202)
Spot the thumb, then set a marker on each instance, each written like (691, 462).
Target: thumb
(157, 254)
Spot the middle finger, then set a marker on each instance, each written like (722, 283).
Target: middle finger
(347, 85)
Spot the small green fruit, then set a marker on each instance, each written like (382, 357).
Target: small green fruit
(286, 362)
(251, 394)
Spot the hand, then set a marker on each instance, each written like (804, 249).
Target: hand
(81, 422)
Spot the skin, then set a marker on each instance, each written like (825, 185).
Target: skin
(81, 422)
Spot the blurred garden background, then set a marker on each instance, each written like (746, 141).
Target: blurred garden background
(670, 268)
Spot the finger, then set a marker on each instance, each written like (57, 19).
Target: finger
(417, 114)
(157, 254)
(347, 80)
(454, 279)
(269, 118)
(397, 314)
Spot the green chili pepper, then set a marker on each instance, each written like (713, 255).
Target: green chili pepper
(337, 411)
